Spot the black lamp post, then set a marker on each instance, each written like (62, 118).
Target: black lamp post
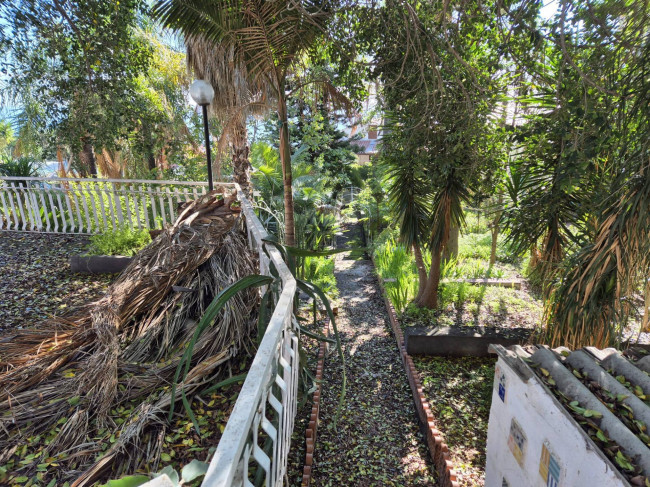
(202, 93)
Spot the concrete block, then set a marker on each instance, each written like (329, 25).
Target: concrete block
(99, 264)
(461, 341)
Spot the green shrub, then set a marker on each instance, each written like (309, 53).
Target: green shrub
(123, 241)
(394, 262)
(19, 167)
(320, 271)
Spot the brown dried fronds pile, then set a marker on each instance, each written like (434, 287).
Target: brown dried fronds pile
(67, 379)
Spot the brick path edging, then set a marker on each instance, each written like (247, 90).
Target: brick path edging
(438, 449)
(312, 426)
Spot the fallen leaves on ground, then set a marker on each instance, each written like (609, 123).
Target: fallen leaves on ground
(377, 441)
(459, 391)
(36, 279)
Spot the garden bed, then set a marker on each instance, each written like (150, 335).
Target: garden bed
(459, 391)
(485, 306)
(36, 280)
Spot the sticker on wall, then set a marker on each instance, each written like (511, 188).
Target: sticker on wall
(500, 381)
(517, 442)
(549, 467)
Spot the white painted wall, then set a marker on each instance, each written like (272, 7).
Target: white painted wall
(543, 421)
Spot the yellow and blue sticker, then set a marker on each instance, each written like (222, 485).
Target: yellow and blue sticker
(549, 468)
(500, 381)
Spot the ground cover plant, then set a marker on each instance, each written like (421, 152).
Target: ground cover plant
(121, 241)
(459, 391)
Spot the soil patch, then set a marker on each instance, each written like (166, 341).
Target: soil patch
(36, 280)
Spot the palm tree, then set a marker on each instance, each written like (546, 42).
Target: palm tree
(237, 95)
(269, 37)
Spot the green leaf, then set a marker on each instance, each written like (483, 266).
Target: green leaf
(316, 336)
(189, 411)
(165, 457)
(207, 319)
(193, 470)
(128, 481)
(225, 383)
(623, 462)
(171, 473)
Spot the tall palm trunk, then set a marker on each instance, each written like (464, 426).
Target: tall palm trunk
(429, 296)
(451, 249)
(285, 158)
(241, 167)
(87, 157)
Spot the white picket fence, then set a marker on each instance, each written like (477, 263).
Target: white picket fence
(73, 205)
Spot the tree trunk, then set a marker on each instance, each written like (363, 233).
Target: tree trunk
(451, 250)
(422, 271)
(241, 167)
(645, 324)
(495, 231)
(151, 159)
(429, 297)
(87, 157)
(285, 158)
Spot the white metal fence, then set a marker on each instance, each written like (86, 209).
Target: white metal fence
(348, 195)
(72, 205)
(254, 447)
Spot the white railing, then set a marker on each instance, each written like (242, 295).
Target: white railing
(254, 447)
(73, 205)
(348, 195)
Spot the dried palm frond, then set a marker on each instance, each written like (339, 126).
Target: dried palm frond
(124, 348)
(592, 303)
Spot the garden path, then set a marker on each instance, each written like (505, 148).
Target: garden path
(377, 441)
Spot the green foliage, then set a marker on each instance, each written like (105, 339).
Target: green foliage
(320, 271)
(397, 268)
(7, 137)
(369, 205)
(326, 147)
(20, 166)
(79, 63)
(123, 241)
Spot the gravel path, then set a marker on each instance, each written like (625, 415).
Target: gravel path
(377, 441)
(35, 277)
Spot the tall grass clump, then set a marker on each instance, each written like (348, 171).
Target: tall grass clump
(394, 262)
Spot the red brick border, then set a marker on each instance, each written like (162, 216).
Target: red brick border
(438, 449)
(312, 427)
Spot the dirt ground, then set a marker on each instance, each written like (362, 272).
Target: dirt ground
(35, 278)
